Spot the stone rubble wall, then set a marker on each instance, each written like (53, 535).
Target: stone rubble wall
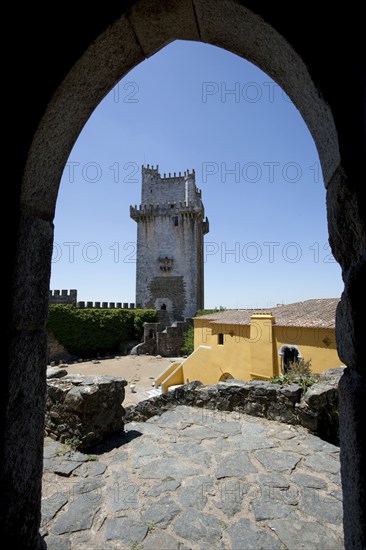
(167, 341)
(316, 409)
(84, 410)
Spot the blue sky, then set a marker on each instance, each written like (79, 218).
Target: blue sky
(196, 106)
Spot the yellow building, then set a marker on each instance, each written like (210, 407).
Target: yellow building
(249, 344)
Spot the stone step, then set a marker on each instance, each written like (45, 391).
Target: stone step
(153, 393)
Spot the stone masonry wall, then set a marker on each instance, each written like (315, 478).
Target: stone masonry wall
(63, 297)
(159, 339)
(316, 409)
(84, 409)
(172, 288)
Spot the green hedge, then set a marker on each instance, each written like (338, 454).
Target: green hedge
(89, 332)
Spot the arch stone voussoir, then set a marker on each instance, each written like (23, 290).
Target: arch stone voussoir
(245, 33)
(115, 52)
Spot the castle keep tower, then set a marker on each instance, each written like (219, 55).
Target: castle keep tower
(170, 230)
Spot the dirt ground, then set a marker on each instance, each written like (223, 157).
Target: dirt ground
(136, 369)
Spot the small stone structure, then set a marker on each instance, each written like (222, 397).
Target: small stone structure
(316, 409)
(165, 338)
(84, 409)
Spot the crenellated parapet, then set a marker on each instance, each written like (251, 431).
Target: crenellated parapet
(154, 172)
(106, 305)
(170, 187)
(65, 297)
(179, 208)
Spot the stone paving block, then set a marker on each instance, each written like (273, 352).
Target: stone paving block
(163, 487)
(167, 467)
(322, 506)
(90, 469)
(161, 512)
(236, 464)
(61, 467)
(193, 492)
(57, 543)
(246, 534)
(278, 461)
(321, 462)
(270, 508)
(160, 540)
(306, 480)
(51, 505)
(79, 515)
(299, 534)
(198, 527)
(125, 531)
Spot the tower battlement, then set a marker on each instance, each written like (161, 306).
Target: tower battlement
(170, 226)
(169, 187)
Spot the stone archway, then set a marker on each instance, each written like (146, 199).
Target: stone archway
(288, 353)
(138, 31)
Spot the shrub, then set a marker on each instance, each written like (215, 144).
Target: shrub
(298, 372)
(89, 332)
(299, 368)
(188, 341)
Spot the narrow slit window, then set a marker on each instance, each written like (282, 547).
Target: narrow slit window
(176, 221)
(220, 339)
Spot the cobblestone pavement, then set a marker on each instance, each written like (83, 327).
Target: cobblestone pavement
(195, 479)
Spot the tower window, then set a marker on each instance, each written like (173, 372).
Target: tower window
(176, 221)
(220, 339)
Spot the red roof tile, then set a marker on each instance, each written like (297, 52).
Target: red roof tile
(317, 313)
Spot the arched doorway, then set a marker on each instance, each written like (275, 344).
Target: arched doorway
(225, 376)
(138, 31)
(289, 354)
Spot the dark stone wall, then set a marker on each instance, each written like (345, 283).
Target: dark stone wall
(170, 342)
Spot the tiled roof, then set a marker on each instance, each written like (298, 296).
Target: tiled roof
(318, 313)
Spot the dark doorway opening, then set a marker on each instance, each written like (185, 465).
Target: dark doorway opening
(290, 355)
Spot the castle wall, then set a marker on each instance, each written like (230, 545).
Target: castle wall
(63, 297)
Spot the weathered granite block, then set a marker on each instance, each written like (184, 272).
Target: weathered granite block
(84, 409)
